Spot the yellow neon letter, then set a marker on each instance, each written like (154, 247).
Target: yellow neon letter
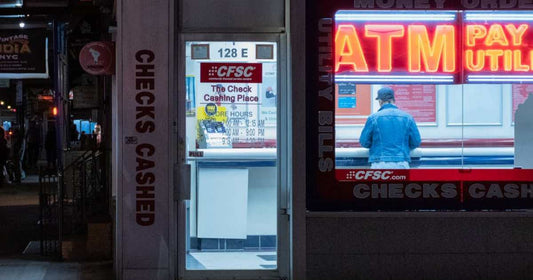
(507, 60)
(493, 57)
(496, 36)
(518, 66)
(473, 32)
(517, 33)
(348, 49)
(469, 60)
(421, 48)
(384, 35)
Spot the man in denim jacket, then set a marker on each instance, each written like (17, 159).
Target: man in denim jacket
(390, 134)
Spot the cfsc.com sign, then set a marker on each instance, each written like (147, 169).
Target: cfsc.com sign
(372, 175)
(231, 72)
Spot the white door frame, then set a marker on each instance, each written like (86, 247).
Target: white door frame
(283, 166)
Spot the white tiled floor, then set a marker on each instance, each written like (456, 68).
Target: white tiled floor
(232, 260)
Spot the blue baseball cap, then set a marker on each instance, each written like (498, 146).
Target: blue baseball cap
(385, 94)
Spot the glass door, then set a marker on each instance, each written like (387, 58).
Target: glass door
(232, 216)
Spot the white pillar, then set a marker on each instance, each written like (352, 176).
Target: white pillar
(142, 139)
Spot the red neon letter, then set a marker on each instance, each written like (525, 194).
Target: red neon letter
(348, 49)
(384, 34)
(421, 48)
(474, 32)
(517, 33)
(469, 60)
(496, 36)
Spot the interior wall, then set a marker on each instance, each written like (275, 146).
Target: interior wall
(262, 200)
(260, 208)
(490, 105)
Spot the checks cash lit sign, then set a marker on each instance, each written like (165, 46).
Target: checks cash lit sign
(433, 47)
(231, 72)
(437, 188)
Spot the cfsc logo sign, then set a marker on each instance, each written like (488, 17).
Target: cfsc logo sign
(231, 72)
(373, 175)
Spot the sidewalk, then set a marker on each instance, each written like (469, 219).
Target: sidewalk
(16, 269)
(19, 215)
(19, 194)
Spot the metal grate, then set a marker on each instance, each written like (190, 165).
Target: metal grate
(50, 213)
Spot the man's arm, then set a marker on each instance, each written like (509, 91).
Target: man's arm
(414, 135)
(366, 135)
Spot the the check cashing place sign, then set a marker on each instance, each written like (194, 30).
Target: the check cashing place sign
(412, 42)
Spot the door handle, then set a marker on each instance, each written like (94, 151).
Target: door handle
(182, 188)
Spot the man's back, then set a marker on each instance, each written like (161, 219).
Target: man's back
(390, 134)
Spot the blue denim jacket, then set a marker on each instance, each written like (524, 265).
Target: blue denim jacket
(390, 134)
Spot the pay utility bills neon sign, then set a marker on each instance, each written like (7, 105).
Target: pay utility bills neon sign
(434, 47)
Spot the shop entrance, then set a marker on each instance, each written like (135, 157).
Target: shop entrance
(235, 219)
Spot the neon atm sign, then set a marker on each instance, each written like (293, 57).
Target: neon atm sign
(433, 47)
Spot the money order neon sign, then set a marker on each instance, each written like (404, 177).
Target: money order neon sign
(434, 46)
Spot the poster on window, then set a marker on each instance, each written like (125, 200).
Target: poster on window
(190, 102)
(353, 103)
(418, 100)
(23, 54)
(235, 94)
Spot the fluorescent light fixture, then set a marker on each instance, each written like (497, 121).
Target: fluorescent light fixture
(504, 16)
(446, 79)
(394, 16)
(13, 4)
(499, 78)
(12, 16)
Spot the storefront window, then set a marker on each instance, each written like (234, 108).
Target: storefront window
(462, 121)
(458, 79)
